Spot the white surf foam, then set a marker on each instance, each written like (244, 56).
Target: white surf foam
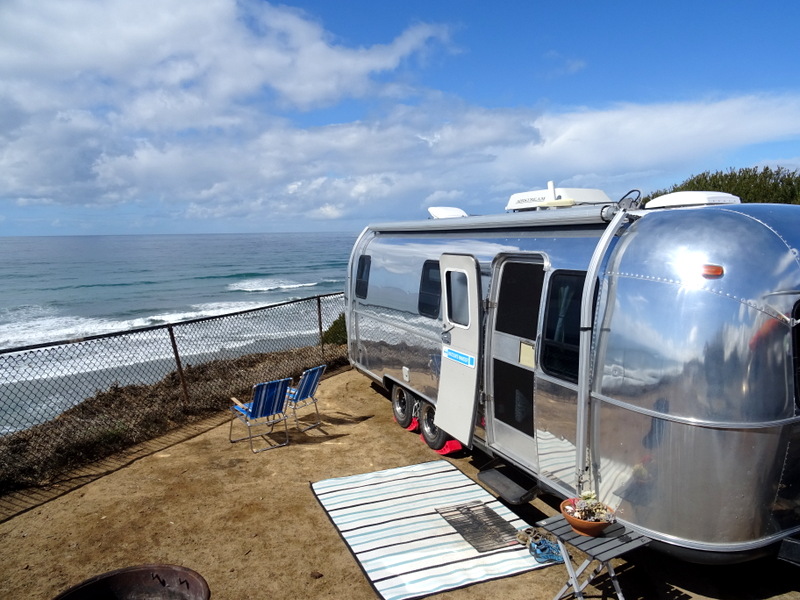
(41, 325)
(267, 285)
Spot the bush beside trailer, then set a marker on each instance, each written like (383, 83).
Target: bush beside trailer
(649, 354)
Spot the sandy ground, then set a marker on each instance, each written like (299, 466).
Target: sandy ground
(251, 527)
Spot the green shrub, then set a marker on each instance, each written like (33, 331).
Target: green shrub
(336, 333)
(779, 185)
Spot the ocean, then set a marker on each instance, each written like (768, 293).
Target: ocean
(63, 288)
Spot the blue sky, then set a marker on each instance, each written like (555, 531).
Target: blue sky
(177, 116)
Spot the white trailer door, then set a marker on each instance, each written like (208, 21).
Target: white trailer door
(461, 346)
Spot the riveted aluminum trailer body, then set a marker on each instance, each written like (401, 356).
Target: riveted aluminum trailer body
(676, 401)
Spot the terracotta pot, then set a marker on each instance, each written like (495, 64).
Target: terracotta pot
(588, 528)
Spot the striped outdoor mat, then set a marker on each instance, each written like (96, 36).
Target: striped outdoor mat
(424, 529)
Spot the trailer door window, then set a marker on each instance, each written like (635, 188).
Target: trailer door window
(430, 289)
(362, 275)
(562, 325)
(518, 299)
(457, 298)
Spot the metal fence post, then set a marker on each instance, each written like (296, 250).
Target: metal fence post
(319, 321)
(178, 363)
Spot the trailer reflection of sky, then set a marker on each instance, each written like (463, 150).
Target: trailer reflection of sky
(405, 257)
(397, 265)
(729, 364)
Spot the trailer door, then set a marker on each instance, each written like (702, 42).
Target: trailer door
(512, 332)
(461, 344)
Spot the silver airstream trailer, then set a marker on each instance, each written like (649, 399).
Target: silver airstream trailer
(649, 354)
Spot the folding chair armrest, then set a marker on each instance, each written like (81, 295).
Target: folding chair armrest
(239, 404)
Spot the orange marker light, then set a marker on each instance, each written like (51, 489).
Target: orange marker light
(713, 271)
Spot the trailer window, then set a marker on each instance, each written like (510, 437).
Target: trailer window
(362, 275)
(430, 289)
(457, 298)
(561, 337)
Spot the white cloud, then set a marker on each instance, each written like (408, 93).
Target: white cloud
(327, 212)
(440, 197)
(562, 65)
(318, 71)
(168, 54)
(645, 136)
(34, 201)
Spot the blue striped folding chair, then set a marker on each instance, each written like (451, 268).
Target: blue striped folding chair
(303, 395)
(266, 410)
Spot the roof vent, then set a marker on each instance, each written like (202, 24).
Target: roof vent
(554, 197)
(676, 199)
(445, 212)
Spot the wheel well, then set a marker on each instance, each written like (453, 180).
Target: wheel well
(389, 382)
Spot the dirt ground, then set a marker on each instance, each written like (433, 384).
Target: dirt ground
(251, 527)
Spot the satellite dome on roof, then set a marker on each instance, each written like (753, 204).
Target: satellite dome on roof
(554, 197)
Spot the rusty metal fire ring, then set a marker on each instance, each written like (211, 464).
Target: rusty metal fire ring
(156, 582)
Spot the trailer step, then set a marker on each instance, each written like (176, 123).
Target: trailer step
(790, 550)
(506, 488)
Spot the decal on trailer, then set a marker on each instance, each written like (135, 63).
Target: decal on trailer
(459, 357)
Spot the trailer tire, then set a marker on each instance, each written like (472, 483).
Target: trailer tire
(402, 406)
(433, 436)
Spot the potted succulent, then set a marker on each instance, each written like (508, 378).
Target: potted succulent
(586, 514)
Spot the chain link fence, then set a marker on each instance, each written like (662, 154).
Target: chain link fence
(66, 404)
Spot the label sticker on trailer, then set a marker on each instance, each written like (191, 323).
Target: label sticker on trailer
(459, 357)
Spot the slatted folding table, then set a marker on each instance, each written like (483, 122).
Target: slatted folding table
(612, 543)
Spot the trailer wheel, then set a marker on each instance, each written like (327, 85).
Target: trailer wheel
(402, 406)
(433, 436)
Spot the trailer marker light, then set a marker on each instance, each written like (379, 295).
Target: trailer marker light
(713, 271)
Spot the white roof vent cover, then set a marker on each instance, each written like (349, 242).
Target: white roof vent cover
(445, 212)
(676, 199)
